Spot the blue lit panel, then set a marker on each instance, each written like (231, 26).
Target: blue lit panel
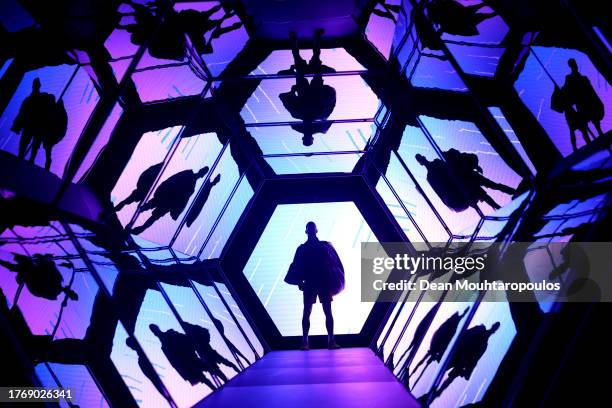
(339, 223)
(75, 377)
(380, 30)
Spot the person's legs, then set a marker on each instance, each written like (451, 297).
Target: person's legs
(329, 323)
(597, 125)
(489, 200)
(24, 142)
(48, 157)
(485, 182)
(132, 198)
(36, 142)
(157, 214)
(573, 139)
(306, 318)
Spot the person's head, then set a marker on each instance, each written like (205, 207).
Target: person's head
(307, 139)
(572, 64)
(494, 328)
(311, 229)
(36, 84)
(155, 329)
(421, 159)
(131, 343)
(202, 172)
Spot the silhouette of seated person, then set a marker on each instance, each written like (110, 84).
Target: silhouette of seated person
(440, 341)
(318, 272)
(41, 121)
(311, 102)
(147, 368)
(172, 196)
(167, 36)
(179, 350)
(459, 181)
(40, 275)
(209, 356)
(452, 17)
(201, 200)
(471, 346)
(143, 185)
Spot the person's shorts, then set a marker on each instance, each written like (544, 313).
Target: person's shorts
(311, 295)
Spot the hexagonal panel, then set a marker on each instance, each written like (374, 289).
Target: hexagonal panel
(340, 223)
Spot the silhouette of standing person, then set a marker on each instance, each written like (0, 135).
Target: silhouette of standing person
(180, 352)
(200, 200)
(171, 197)
(580, 92)
(147, 369)
(440, 341)
(313, 101)
(561, 103)
(471, 346)
(209, 356)
(40, 275)
(143, 185)
(318, 271)
(41, 121)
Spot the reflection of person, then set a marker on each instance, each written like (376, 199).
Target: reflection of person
(41, 121)
(465, 168)
(40, 275)
(172, 196)
(580, 92)
(471, 346)
(209, 356)
(201, 199)
(309, 101)
(561, 103)
(143, 185)
(180, 352)
(147, 369)
(318, 271)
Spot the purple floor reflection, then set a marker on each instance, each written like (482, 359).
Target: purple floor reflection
(342, 378)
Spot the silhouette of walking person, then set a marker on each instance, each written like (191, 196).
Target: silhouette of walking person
(459, 181)
(200, 200)
(147, 369)
(143, 185)
(311, 102)
(561, 103)
(454, 18)
(440, 341)
(580, 92)
(318, 272)
(40, 275)
(41, 121)
(180, 352)
(471, 346)
(209, 356)
(172, 196)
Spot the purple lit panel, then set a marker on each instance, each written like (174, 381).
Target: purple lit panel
(167, 83)
(436, 73)
(192, 153)
(100, 142)
(226, 47)
(152, 149)
(119, 44)
(77, 378)
(476, 60)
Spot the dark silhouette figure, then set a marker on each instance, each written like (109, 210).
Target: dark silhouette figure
(200, 200)
(313, 101)
(454, 18)
(209, 356)
(143, 185)
(230, 345)
(471, 346)
(40, 275)
(171, 197)
(459, 181)
(318, 271)
(560, 102)
(41, 121)
(167, 34)
(179, 350)
(440, 341)
(147, 369)
(580, 93)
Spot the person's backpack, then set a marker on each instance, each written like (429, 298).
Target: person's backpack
(335, 270)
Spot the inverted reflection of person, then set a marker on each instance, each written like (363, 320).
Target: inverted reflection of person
(318, 272)
(143, 185)
(172, 196)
